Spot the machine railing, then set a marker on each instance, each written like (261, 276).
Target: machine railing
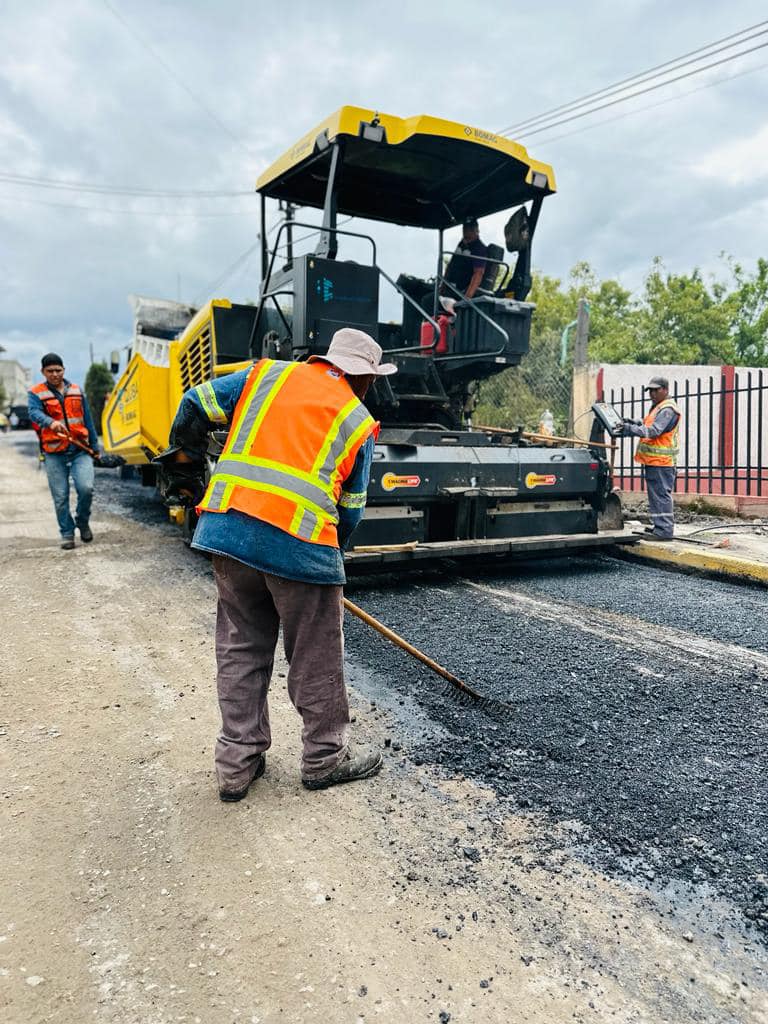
(723, 443)
(271, 295)
(288, 225)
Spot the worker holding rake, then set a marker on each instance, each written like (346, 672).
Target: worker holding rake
(286, 493)
(62, 420)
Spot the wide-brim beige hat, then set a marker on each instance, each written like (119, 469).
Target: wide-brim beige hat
(356, 353)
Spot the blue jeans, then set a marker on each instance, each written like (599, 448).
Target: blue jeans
(60, 467)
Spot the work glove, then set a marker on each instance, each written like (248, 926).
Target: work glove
(181, 483)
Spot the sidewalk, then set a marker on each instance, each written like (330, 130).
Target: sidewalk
(736, 549)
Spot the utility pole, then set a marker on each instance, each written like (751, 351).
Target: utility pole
(582, 334)
(582, 386)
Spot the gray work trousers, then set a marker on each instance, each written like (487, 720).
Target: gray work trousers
(252, 605)
(660, 481)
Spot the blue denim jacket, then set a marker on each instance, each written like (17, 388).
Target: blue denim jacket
(252, 541)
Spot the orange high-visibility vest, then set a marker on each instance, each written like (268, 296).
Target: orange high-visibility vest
(71, 413)
(295, 434)
(662, 450)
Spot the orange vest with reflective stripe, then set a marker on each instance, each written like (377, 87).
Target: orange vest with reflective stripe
(661, 450)
(294, 438)
(71, 414)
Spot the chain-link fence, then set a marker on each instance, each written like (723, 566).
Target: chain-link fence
(521, 395)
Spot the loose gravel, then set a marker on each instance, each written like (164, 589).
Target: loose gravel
(639, 709)
(639, 699)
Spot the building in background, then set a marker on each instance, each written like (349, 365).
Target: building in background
(16, 380)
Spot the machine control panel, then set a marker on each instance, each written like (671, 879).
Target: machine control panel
(608, 417)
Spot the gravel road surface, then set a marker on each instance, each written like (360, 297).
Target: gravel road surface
(595, 855)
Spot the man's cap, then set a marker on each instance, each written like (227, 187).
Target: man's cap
(657, 382)
(51, 360)
(470, 222)
(356, 353)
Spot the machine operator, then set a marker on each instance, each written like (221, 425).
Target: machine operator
(657, 452)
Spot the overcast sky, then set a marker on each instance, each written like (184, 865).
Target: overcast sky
(172, 95)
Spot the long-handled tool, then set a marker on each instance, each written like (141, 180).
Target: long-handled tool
(463, 689)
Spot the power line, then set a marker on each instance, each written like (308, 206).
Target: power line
(122, 210)
(241, 259)
(652, 106)
(641, 92)
(118, 190)
(177, 79)
(639, 78)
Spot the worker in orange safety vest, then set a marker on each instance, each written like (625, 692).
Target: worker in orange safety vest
(60, 414)
(657, 452)
(288, 489)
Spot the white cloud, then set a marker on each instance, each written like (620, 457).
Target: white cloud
(739, 162)
(82, 99)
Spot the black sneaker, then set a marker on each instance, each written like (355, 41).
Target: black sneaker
(68, 543)
(360, 763)
(86, 535)
(231, 796)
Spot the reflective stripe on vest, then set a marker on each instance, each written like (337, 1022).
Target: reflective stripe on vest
(270, 378)
(301, 501)
(664, 449)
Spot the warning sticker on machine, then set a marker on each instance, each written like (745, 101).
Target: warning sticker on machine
(391, 480)
(540, 479)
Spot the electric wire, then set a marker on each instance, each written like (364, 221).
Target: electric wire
(651, 106)
(61, 184)
(123, 211)
(759, 526)
(215, 285)
(642, 92)
(640, 77)
(174, 75)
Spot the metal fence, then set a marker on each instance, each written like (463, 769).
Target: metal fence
(522, 394)
(723, 444)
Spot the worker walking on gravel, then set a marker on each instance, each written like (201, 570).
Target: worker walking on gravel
(657, 452)
(59, 411)
(283, 499)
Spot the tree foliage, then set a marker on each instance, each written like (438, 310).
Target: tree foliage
(675, 318)
(98, 384)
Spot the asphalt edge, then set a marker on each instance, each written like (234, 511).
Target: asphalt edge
(685, 559)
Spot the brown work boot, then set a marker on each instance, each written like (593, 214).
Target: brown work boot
(231, 794)
(67, 543)
(359, 763)
(86, 534)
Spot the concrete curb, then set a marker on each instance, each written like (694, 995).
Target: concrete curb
(680, 556)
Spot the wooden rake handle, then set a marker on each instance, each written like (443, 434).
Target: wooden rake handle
(410, 649)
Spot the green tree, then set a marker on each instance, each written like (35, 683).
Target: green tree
(3, 398)
(98, 384)
(748, 308)
(682, 321)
